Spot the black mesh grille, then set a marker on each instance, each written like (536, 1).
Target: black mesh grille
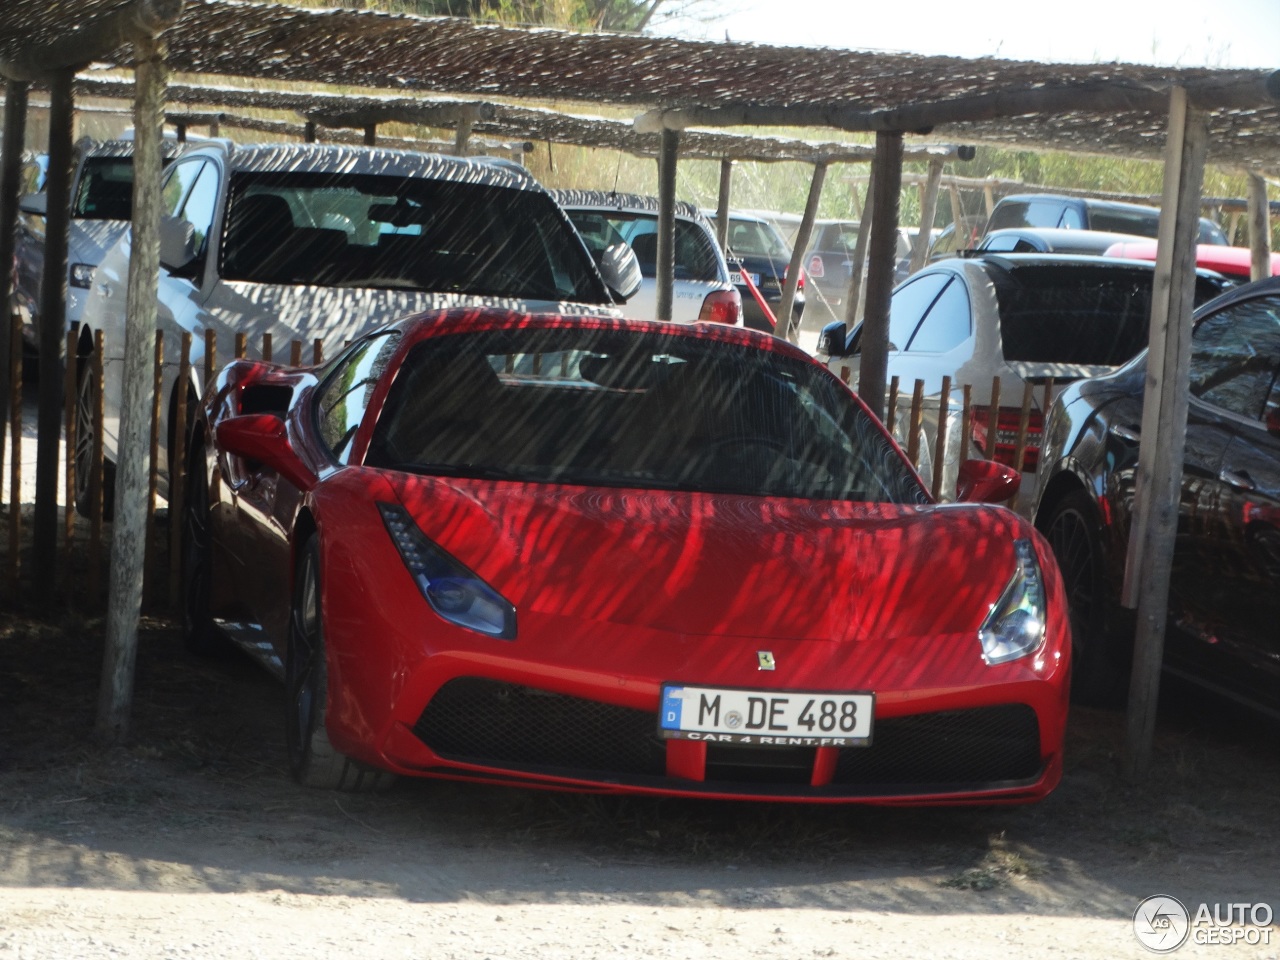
(500, 724)
(955, 747)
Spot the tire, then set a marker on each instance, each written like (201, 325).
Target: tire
(1098, 670)
(199, 633)
(312, 759)
(86, 391)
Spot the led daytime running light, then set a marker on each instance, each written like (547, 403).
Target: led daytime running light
(453, 591)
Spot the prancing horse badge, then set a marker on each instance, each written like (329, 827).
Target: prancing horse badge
(766, 659)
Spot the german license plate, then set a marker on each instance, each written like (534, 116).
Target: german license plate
(766, 717)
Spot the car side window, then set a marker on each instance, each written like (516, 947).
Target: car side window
(947, 324)
(1235, 356)
(345, 395)
(1003, 244)
(199, 207)
(910, 303)
(178, 185)
(1071, 219)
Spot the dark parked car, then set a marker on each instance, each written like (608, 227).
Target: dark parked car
(757, 248)
(1086, 213)
(1051, 240)
(1224, 596)
(829, 262)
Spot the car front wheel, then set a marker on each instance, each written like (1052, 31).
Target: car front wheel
(312, 759)
(1073, 531)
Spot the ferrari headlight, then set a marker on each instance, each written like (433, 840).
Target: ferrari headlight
(453, 591)
(1016, 624)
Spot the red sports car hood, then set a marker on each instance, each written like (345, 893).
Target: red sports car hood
(707, 564)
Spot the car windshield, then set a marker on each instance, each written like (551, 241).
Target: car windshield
(695, 251)
(1079, 315)
(624, 409)
(104, 190)
(411, 233)
(750, 238)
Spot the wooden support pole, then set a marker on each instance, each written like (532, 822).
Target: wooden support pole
(882, 256)
(858, 262)
(462, 137)
(988, 202)
(129, 531)
(178, 472)
(795, 267)
(11, 147)
(957, 207)
(928, 209)
(722, 204)
(1259, 229)
(940, 442)
(913, 425)
(667, 159)
(1158, 480)
(53, 330)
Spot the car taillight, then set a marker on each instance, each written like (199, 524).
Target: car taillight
(787, 270)
(816, 269)
(721, 306)
(1006, 442)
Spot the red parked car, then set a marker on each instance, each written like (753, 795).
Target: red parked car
(1233, 262)
(618, 556)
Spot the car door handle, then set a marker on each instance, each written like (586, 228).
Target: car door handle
(1240, 480)
(1125, 432)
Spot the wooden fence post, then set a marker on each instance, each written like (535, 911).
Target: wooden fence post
(317, 352)
(993, 419)
(295, 353)
(913, 436)
(95, 476)
(940, 442)
(242, 345)
(1024, 421)
(966, 422)
(178, 472)
(69, 407)
(210, 354)
(266, 347)
(893, 403)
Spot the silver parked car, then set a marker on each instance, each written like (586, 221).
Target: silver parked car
(703, 290)
(1025, 318)
(307, 242)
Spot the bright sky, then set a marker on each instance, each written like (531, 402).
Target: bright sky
(1185, 33)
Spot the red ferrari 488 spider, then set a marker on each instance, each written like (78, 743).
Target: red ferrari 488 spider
(618, 556)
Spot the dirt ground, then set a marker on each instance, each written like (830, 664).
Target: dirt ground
(191, 842)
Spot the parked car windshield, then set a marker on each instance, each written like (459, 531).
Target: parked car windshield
(105, 189)
(411, 233)
(1081, 315)
(695, 252)
(750, 238)
(621, 409)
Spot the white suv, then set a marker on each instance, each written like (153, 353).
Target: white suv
(703, 290)
(307, 242)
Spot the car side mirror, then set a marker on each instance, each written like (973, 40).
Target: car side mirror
(177, 243)
(833, 338)
(264, 437)
(621, 271)
(36, 203)
(986, 481)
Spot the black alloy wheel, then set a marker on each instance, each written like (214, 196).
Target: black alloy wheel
(86, 396)
(199, 634)
(1074, 533)
(312, 759)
